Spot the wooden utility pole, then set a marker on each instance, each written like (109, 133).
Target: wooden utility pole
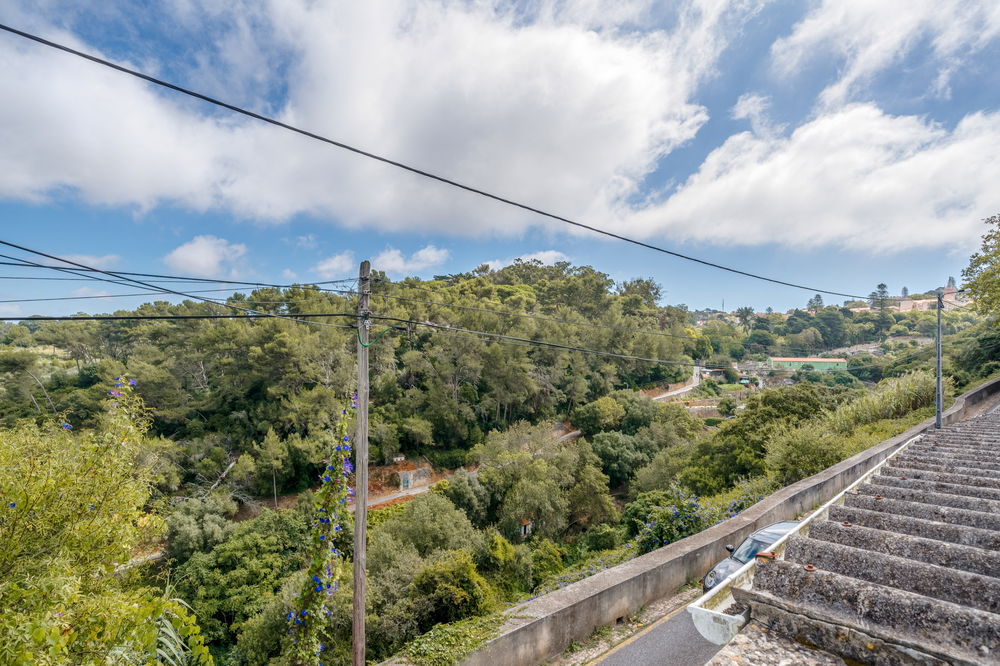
(361, 467)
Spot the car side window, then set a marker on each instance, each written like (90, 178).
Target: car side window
(748, 549)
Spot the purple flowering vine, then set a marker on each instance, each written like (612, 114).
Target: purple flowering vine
(306, 620)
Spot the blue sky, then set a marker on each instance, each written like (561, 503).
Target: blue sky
(837, 144)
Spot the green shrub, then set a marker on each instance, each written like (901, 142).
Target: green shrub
(602, 537)
(452, 589)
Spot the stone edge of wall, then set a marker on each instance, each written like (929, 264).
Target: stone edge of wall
(542, 628)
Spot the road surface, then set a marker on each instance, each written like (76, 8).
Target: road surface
(695, 381)
(670, 641)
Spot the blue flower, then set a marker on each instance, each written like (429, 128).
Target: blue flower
(12, 504)
(326, 478)
(346, 438)
(66, 426)
(132, 382)
(316, 578)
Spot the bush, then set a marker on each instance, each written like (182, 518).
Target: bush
(680, 515)
(891, 399)
(600, 415)
(602, 537)
(197, 526)
(453, 588)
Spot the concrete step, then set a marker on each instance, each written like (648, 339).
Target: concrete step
(941, 629)
(954, 468)
(973, 458)
(943, 514)
(928, 529)
(919, 495)
(930, 551)
(928, 475)
(945, 459)
(937, 486)
(984, 452)
(960, 587)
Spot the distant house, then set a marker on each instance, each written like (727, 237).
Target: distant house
(818, 364)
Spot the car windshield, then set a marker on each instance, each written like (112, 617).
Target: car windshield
(748, 549)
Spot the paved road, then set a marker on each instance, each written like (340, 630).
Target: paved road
(671, 641)
(382, 499)
(695, 380)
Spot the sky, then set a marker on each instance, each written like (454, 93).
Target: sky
(833, 143)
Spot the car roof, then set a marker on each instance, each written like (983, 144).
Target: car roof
(775, 530)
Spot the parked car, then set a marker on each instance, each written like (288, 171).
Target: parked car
(753, 544)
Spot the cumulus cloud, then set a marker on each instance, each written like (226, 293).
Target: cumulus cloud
(870, 36)
(858, 178)
(393, 261)
(568, 107)
(207, 256)
(335, 266)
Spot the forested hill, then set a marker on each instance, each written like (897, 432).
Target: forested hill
(219, 386)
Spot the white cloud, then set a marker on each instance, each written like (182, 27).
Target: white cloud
(335, 266)
(289, 275)
(10, 310)
(87, 291)
(871, 35)
(207, 256)
(307, 242)
(92, 261)
(393, 261)
(546, 257)
(857, 178)
(754, 107)
(569, 100)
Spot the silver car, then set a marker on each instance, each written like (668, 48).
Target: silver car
(753, 544)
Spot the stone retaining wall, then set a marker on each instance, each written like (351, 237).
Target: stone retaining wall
(542, 628)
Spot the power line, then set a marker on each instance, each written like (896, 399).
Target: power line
(406, 167)
(178, 278)
(249, 315)
(81, 298)
(133, 280)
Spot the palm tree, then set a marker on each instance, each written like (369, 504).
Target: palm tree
(745, 315)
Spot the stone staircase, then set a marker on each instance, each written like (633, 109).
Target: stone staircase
(907, 570)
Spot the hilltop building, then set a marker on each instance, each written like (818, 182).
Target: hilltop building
(797, 363)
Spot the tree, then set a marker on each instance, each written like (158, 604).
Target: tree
(904, 292)
(73, 510)
(982, 276)
(600, 415)
(727, 407)
(815, 303)
(272, 453)
(745, 316)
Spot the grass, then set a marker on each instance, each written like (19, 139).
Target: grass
(448, 644)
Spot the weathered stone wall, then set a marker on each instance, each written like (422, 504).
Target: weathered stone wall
(542, 628)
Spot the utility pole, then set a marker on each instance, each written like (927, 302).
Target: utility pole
(940, 392)
(361, 468)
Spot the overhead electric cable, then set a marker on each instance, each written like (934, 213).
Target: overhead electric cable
(140, 282)
(81, 298)
(407, 167)
(249, 315)
(178, 278)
